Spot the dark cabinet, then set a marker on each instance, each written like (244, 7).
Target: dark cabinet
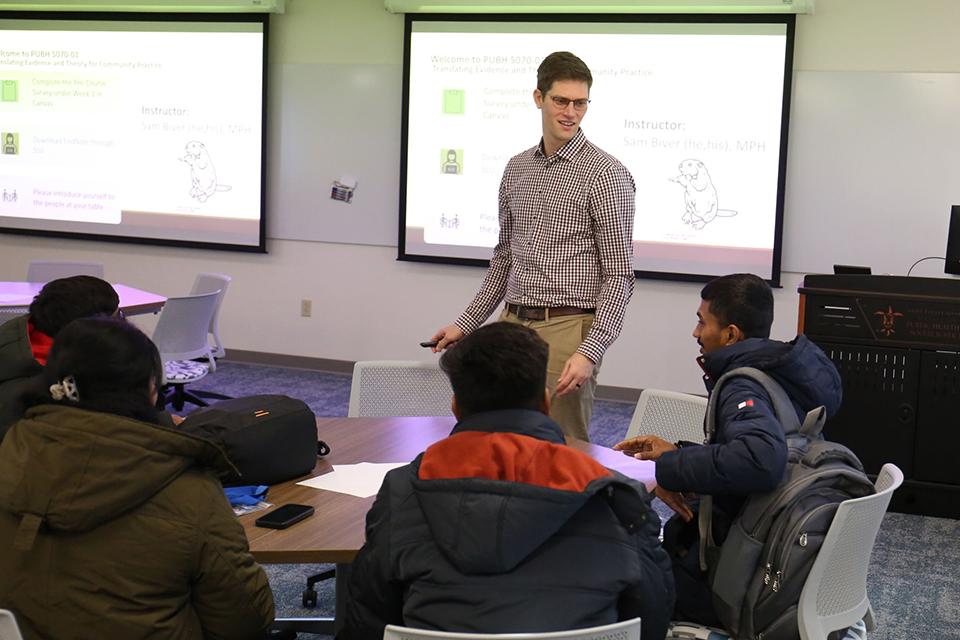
(895, 342)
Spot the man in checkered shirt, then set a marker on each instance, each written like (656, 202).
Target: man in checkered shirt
(563, 261)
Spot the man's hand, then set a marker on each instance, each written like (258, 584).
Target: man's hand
(644, 447)
(675, 501)
(446, 337)
(576, 371)
(176, 419)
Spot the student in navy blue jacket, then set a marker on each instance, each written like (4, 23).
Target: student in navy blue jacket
(749, 454)
(501, 527)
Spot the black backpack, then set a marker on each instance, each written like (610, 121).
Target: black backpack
(269, 438)
(759, 571)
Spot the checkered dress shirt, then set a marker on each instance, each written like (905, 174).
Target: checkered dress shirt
(566, 229)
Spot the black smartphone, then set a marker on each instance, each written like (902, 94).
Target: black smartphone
(429, 343)
(284, 516)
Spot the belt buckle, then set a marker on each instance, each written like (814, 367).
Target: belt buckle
(526, 313)
(536, 313)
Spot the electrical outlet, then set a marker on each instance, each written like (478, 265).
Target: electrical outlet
(306, 308)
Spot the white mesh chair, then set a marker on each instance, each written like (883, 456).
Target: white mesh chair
(626, 630)
(180, 336)
(399, 388)
(834, 596)
(9, 313)
(205, 283)
(47, 270)
(391, 388)
(8, 626)
(672, 416)
(835, 593)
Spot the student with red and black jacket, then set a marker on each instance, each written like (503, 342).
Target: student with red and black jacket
(501, 527)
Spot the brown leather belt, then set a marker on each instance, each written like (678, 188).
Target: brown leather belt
(544, 313)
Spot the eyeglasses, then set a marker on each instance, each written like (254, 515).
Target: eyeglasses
(579, 105)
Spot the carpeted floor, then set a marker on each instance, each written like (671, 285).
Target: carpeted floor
(913, 582)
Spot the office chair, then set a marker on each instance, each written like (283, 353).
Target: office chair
(47, 270)
(9, 313)
(391, 388)
(205, 283)
(834, 595)
(671, 415)
(399, 388)
(180, 336)
(8, 626)
(626, 630)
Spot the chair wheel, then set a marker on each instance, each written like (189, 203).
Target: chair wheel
(309, 598)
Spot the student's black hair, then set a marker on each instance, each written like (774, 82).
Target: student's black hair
(66, 299)
(112, 363)
(499, 366)
(741, 299)
(562, 65)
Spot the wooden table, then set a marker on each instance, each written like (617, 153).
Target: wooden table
(17, 295)
(336, 532)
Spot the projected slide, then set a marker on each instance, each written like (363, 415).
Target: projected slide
(137, 129)
(694, 111)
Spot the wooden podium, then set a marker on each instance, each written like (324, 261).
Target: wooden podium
(895, 341)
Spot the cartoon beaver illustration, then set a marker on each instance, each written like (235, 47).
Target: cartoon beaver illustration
(203, 176)
(699, 194)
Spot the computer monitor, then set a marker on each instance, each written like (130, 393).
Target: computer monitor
(851, 269)
(952, 264)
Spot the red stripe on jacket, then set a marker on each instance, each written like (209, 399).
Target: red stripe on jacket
(511, 457)
(40, 343)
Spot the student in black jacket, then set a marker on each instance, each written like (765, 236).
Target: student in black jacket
(501, 527)
(749, 454)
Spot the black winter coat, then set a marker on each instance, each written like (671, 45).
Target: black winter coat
(749, 452)
(501, 528)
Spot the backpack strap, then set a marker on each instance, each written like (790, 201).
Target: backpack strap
(787, 417)
(813, 422)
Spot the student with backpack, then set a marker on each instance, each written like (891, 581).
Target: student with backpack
(746, 452)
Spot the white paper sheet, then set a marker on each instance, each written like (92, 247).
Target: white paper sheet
(362, 480)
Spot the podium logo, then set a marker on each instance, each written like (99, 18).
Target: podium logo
(887, 320)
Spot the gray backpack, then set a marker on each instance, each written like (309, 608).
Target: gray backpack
(757, 574)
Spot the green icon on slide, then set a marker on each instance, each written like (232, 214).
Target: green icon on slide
(10, 142)
(454, 101)
(451, 161)
(8, 91)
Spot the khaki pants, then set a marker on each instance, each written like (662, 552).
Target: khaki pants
(563, 335)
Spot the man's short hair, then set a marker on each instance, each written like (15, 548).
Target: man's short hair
(66, 299)
(562, 65)
(741, 299)
(499, 366)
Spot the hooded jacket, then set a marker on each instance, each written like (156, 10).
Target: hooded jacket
(749, 452)
(502, 528)
(18, 370)
(115, 528)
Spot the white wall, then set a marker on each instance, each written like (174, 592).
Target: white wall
(367, 305)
